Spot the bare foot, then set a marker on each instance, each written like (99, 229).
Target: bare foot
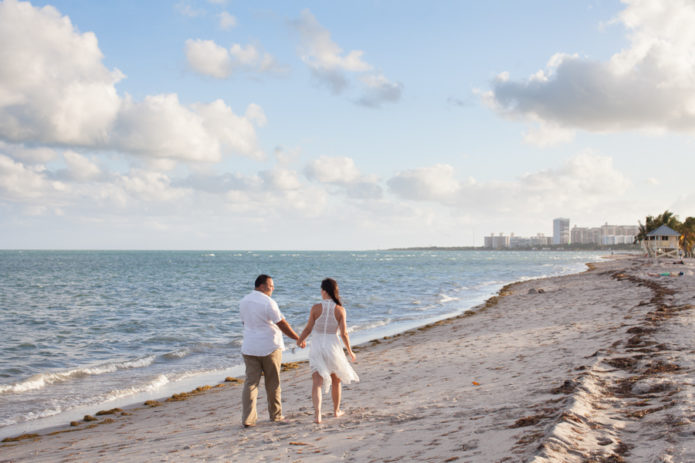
(339, 413)
(317, 420)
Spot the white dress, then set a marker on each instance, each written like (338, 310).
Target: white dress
(326, 354)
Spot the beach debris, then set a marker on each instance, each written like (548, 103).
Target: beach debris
(527, 421)
(113, 411)
(233, 380)
(89, 418)
(187, 395)
(75, 423)
(536, 291)
(289, 366)
(475, 383)
(153, 403)
(22, 437)
(299, 443)
(623, 363)
(567, 387)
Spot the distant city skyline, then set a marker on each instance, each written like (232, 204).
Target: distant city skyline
(563, 234)
(213, 124)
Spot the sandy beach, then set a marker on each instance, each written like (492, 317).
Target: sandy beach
(597, 366)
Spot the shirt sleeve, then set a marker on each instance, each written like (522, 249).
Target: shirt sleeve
(275, 314)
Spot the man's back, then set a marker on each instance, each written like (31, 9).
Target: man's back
(260, 315)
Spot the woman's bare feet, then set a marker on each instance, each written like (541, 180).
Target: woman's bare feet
(317, 419)
(339, 413)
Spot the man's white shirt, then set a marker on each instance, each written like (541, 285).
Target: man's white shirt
(260, 315)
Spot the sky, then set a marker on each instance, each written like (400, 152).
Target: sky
(280, 125)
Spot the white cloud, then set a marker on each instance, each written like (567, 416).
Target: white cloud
(244, 55)
(79, 167)
(186, 9)
(340, 170)
(23, 183)
(281, 179)
(585, 178)
(368, 188)
(53, 85)
(584, 181)
(286, 156)
(55, 90)
(151, 186)
(319, 51)
(548, 134)
(235, 133)
(160, 126)
(332, 67)
(426, 183)
(227, 21)
(649, 85)
(25, 154)
(210, 59)
(255, 113)
(378, 89)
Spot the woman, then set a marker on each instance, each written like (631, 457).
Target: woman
(326, 357)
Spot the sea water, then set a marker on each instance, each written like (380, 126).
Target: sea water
(85, 330)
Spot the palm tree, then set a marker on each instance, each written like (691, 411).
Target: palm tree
(687, 240)
(667, 218)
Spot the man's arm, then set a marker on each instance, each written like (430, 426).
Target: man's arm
(287, 329)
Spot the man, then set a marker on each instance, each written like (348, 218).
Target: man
(262, 349)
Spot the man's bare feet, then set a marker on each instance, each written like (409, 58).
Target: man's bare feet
(339, 413)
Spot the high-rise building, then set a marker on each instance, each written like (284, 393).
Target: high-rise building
(604, 235)
(500, 241)
(561, 231)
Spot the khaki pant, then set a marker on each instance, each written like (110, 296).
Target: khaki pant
(270, 367)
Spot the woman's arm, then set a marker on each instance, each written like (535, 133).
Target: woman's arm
(342, 325)
(313, 315)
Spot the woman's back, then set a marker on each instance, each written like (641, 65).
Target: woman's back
(326, 323)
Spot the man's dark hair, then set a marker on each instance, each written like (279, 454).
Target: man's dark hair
(262, 279)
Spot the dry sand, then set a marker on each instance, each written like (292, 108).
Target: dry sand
(598, 366)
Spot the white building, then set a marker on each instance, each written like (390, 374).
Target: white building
(585, 235)
(561, 231)
(605, 235)
(500, 241)
(540, 240)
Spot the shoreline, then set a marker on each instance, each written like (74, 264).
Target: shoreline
(55, 424)
(204, 379)
(528, 374)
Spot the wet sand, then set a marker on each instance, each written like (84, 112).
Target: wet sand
(598, 366)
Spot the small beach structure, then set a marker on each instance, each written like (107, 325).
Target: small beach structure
(662, 242)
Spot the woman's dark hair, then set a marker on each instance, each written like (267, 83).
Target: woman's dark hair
(331, 287)
(261, 280)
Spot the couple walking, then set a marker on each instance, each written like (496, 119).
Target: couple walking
(263, 345)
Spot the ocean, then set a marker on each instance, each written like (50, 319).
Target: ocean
(82, 331)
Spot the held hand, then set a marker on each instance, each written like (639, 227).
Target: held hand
(301, 344)
(352, 356)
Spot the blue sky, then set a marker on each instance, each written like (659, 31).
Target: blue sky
(214, 124)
